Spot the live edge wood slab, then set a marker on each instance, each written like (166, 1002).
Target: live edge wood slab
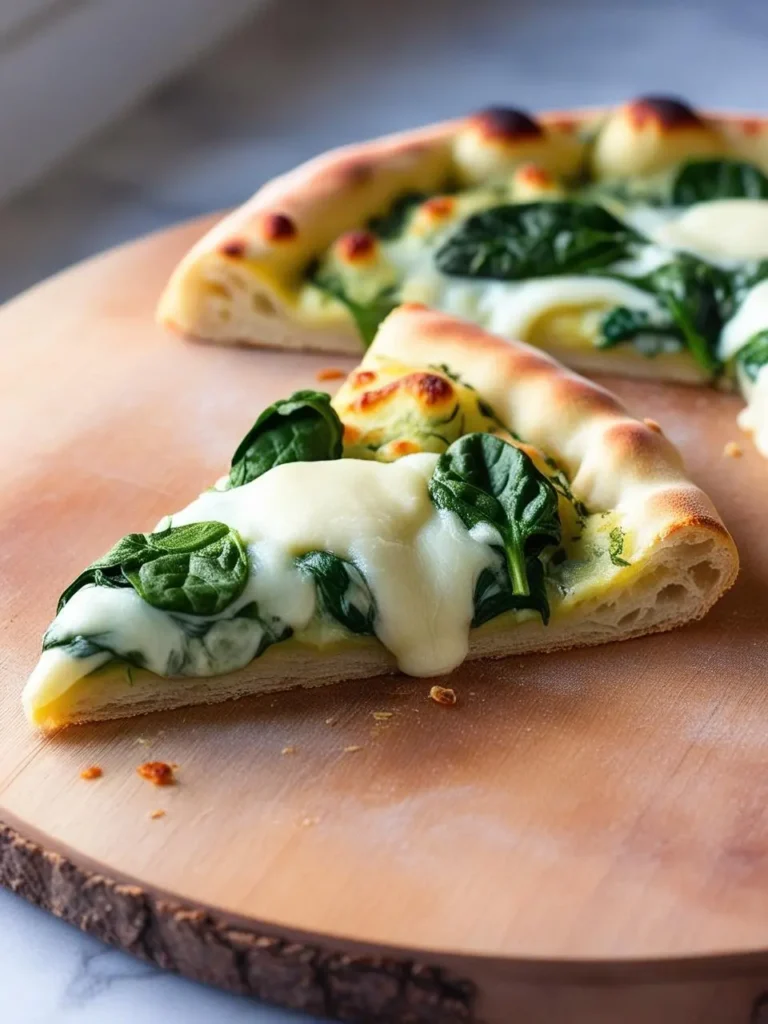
(582, 838)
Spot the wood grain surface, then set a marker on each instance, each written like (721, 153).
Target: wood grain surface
(584, 822)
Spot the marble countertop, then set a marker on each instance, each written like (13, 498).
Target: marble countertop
(306, 76)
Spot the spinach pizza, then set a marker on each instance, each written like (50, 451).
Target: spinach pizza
(461, 496)
(634, 240)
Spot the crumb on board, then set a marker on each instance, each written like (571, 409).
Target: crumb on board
(93, 771)
(443, 695)
(653, 425)
(288, 750)
(330, 373)
(352, 748)
(307, 822)
(733, 450)
(332, 720)
(382, 716)
(157, 772)
(159, 813)
(142, 741)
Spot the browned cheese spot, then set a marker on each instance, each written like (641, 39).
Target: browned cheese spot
(662, 110)
(506, 124)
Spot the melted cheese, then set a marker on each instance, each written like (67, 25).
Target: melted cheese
(724, 230)
(421, 565)
(750, 318)
(515, 309)
(754, 418)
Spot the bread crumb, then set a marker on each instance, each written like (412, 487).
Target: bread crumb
(159, 813)
(288, 750)
(94, 771)
(142, 741)
(733, 450)
(157, 772)
(653, 425)
(332, 720)
(443, 695)
(307, 822)
(352, 749)
(330, 373)
(382, 716)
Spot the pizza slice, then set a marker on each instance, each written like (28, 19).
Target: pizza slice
(460, 497)
(633, 241)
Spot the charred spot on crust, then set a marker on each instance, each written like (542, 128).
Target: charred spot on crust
(362, 377)
(439, 206)
(356, 245)
(663, 110)
(506, 124)
(235, 249)
(370, 398)
(533, 174)
(278, 227)
(400, 448)
(430, 387)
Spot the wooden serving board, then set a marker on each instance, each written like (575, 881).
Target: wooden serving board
(584, 837)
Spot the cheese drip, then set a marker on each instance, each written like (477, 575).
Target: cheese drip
(421, 565)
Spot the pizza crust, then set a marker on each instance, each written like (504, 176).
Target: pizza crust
(241, 283)
(683, 557)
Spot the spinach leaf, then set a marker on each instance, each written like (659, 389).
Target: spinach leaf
(699, 181)
(697, 296)
(343, 590)
(302, 428)
(754, 356)
(485, 480)
(743, 278)
(522, 240)
(197, 569)
(616, 546)
(390, 225)
(494, 595)
(367, 316)
(623, 324)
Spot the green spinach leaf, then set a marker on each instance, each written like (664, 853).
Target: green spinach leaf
(302, 428)
(754, 356)
(697, 296)
(197, 569)
(485, 480)
(522, 240)
(616, 546)
(494, 595)
(699, 181)
(622, 324)
(390, 225)
(743, 278)
(343, 590)
(367, 316)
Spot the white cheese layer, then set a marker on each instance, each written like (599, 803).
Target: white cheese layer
(511, 309)
(754, 418)
(751, 317)
(421, 565)
(725, 231)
